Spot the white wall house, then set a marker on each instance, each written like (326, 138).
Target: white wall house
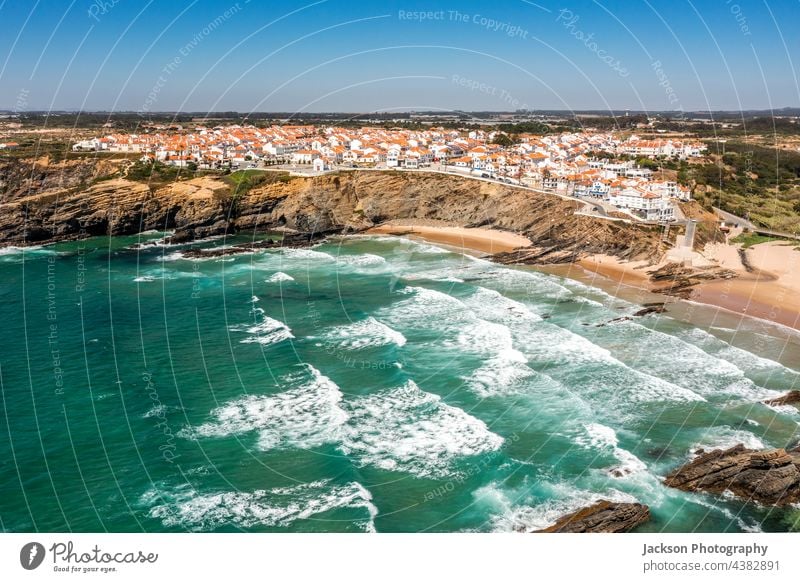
(644, 204)
(392, 158)
(599, 189)
(304, 156)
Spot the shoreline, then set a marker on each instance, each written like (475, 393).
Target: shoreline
(484, 240)
(768, 292)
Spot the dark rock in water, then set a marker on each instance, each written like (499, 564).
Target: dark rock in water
(179, 237)
(292, 241)
(615, 320)
(619, 472)
(791, 397)
(602, 517)
(648, 309)
(768, 477)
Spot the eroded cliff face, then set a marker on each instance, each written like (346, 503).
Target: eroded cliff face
(354, 201)
(345, 202)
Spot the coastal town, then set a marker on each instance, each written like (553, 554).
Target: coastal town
(595, 166)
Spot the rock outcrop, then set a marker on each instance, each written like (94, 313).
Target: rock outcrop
(292, 241)
(83, 203)
(769, 477)
(602, 517)
(791, 397)
(679, 281)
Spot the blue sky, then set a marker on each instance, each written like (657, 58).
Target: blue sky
(251, 55)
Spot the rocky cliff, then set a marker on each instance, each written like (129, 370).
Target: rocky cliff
(47, 204)
(768, 477)
(602, 517)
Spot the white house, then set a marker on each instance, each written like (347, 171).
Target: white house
(86, 145)
(393, 158)
(599, 189)
(644, 204)
(304, 156)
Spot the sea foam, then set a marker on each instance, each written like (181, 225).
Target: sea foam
(264, 330)
(277, 507)
(279, 277)
(407, 429)
(305, 416)
(364, 334)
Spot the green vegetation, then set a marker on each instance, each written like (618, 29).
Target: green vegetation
(35, 147)
(759, 183)
(502, 139)
(534, 127)
(749, 239)
(154, 173)
(245, 180)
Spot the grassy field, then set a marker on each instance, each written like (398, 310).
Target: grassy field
(244, 180)
(757, 182)
(749, 239)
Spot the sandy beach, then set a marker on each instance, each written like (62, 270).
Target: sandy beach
(767, 288)
(484, 240)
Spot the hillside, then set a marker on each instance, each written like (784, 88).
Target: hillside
(78, 198)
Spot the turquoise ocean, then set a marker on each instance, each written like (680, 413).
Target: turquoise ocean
(365, 384)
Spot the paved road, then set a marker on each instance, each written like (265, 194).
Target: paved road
(732, 218)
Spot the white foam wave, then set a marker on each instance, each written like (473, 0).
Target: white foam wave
(21, 254)
(499, 376)
(424, 309)
(264, 330)
(158, 411)
(734, 517)
(604, 438)
(746, 361)
(699, 371)
(407, 429)
(492, 305)
(724, 437)
(510, 515)
(279, 277)
(430, 249)
(306, 255)
(278, 507)
(364, 260)
(487, 338)
(788, 409)
(173, 256)
(592, 370)
(364, 334)
(32, 250)
(304, 417)
(531, 283)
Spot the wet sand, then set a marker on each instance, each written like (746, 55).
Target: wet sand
(767, 288)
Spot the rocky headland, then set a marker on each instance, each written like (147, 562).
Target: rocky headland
(602, 517)
(770, 477)
(45, 202)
